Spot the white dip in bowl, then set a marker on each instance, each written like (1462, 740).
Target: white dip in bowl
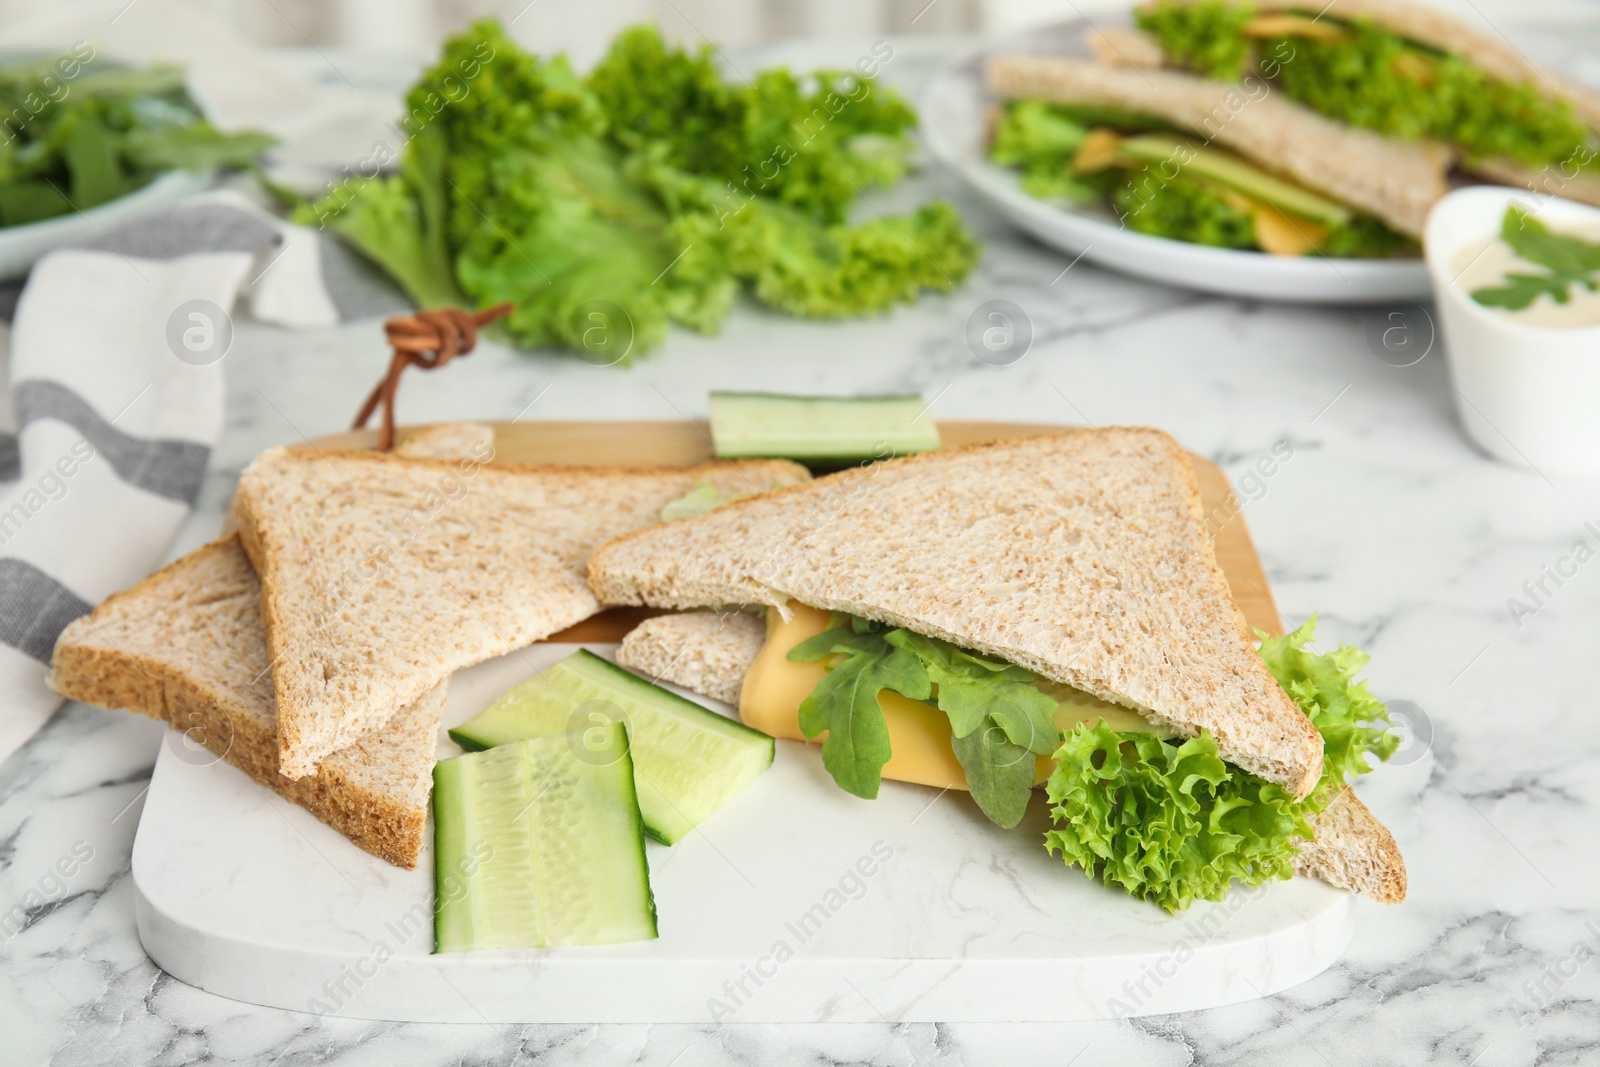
(1526, 382)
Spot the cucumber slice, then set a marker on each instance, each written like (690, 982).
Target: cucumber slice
(688, 760)
(821, 430)
(539, 843)
(1227, 169)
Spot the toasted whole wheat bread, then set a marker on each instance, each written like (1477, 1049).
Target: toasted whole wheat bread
(382, 574)
(187, 646)
(1561, 181)
(704, 651)
(1354, 851)
(1397, 181)
(447, 440)
(1426, 24)
(1123, 46)
(1081, 555)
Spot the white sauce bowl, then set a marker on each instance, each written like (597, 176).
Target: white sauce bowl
(1529, 395)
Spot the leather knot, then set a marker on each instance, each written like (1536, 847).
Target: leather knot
(429, 340)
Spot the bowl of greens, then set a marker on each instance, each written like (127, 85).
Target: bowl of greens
(85, 144)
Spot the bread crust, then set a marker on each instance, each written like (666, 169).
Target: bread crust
(1354, 851)
(113, 673)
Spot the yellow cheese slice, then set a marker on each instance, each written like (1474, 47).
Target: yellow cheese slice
(919, 734)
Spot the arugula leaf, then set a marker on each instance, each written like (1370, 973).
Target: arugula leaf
(1000, 774)
(973, 689)
(998, 720)
(78, 136)
(845, 703)
(1569, 260)
(1172, 823)
(1530, 239)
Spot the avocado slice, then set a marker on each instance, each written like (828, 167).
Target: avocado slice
(1227, 169)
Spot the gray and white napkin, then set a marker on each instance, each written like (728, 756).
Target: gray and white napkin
(116, 399)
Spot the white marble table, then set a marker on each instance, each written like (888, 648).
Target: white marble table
(1405, 539)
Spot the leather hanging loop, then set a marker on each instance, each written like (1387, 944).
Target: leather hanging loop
(429, 340)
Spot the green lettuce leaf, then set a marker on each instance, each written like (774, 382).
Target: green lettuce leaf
(1184, 210)
(607, 208)
(1040, 138)
(814, 143)
(1206, 36)
(1171, 822)
(1379, 80)
(1354, 724)
(398, 222)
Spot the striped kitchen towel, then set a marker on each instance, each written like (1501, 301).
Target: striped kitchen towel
(116, 399)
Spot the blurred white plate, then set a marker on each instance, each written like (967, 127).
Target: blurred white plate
(22, 246)
(953, 108)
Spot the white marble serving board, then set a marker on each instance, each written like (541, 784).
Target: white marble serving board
(919, 909)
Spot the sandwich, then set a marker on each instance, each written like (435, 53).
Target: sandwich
(1191, 159)
(187, 646)
(1041, 610)
(382, 574)
(1401, 69)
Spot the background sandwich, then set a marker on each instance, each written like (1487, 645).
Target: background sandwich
(1402, 69)
(1055, 596)
(1203, 161)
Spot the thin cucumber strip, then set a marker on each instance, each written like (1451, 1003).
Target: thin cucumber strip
(688, 760)
(1238, 174)
(820, 429)
(540, 843)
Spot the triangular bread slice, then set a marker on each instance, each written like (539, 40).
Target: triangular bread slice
(187, 646)
(1397, 181)
(382, 574)
(1081, 555)
(1354, 851)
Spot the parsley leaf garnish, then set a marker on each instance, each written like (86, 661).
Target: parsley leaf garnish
(1569, 260)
